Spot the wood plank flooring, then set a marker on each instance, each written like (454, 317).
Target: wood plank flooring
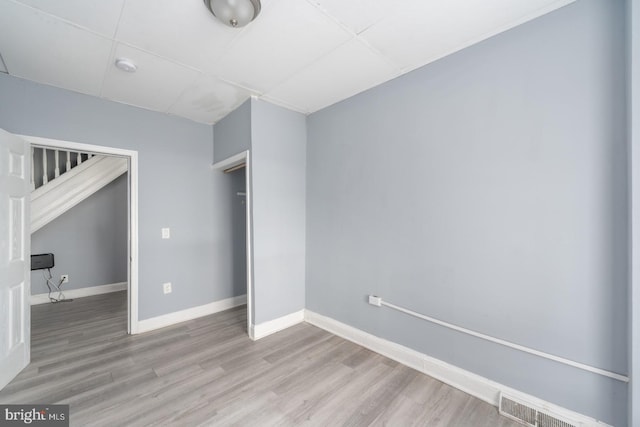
(208, 372)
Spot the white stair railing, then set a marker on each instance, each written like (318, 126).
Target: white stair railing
(45, 169)
(68, 165)
(50, 201)
(33, 170)
(41, 171)
(57, 169)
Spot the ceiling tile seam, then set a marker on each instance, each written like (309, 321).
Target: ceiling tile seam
(63, 20)
(382, 56)
(124, 3)
(201, 72)
(108, 65)
(164, 58)
(235, 84)
(487, 35)
(217, 59)
(305, 67)
(214, 21)
(231, 43)
(239, 31)
(331, 17)
(130, 104)
(345, 26)
(370, 26)
(253, 91)
(181, 64)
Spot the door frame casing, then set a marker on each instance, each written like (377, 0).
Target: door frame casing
(132, 265)
(235, 160)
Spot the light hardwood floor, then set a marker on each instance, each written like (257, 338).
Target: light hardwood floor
(208, 372)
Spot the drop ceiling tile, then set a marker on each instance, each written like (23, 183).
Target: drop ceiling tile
(208, 100)
(68, 44)
(39, 47)
(156, 85)
(357, 15)
(344, 72)
(97, 15)
(421, 32)
(288, 35)
(184, 31)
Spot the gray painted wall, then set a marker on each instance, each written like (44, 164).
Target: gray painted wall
(489, 190)
(232, 134)
(176, 185)
(89, 241)
(278, 158)
(239, 231)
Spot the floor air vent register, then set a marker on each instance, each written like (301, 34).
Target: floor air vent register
(529, 415)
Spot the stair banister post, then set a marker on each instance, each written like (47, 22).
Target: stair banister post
(57, 169)
(79, 158)
(68, 165)
(45, 178)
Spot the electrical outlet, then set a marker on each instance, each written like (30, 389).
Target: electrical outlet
(166, 233)
(166, 287)
(64, 278)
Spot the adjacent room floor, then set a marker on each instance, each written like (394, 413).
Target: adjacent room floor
(208, 372)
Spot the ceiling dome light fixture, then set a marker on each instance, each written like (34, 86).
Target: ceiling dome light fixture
(127, 65)
(234, 13)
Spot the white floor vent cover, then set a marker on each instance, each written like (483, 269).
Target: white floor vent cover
(529, 415)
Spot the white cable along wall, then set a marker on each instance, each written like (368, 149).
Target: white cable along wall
(378, 301)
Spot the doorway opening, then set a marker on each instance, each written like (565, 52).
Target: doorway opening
(131, 261)
(239, 168)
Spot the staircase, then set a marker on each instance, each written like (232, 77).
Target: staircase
(53, 193)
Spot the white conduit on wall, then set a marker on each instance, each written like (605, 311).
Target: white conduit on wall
(559, 359)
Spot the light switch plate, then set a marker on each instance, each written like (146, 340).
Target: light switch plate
(166, 233)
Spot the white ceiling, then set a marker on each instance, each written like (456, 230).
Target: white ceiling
(302, 54)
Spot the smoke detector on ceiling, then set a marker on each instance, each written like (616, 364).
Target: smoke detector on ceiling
(127, 65)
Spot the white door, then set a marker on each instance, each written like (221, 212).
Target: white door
(15, 259)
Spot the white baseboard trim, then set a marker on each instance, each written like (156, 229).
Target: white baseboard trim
(189, 314)
(80, 293)
(272, 326)
(475, 385)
